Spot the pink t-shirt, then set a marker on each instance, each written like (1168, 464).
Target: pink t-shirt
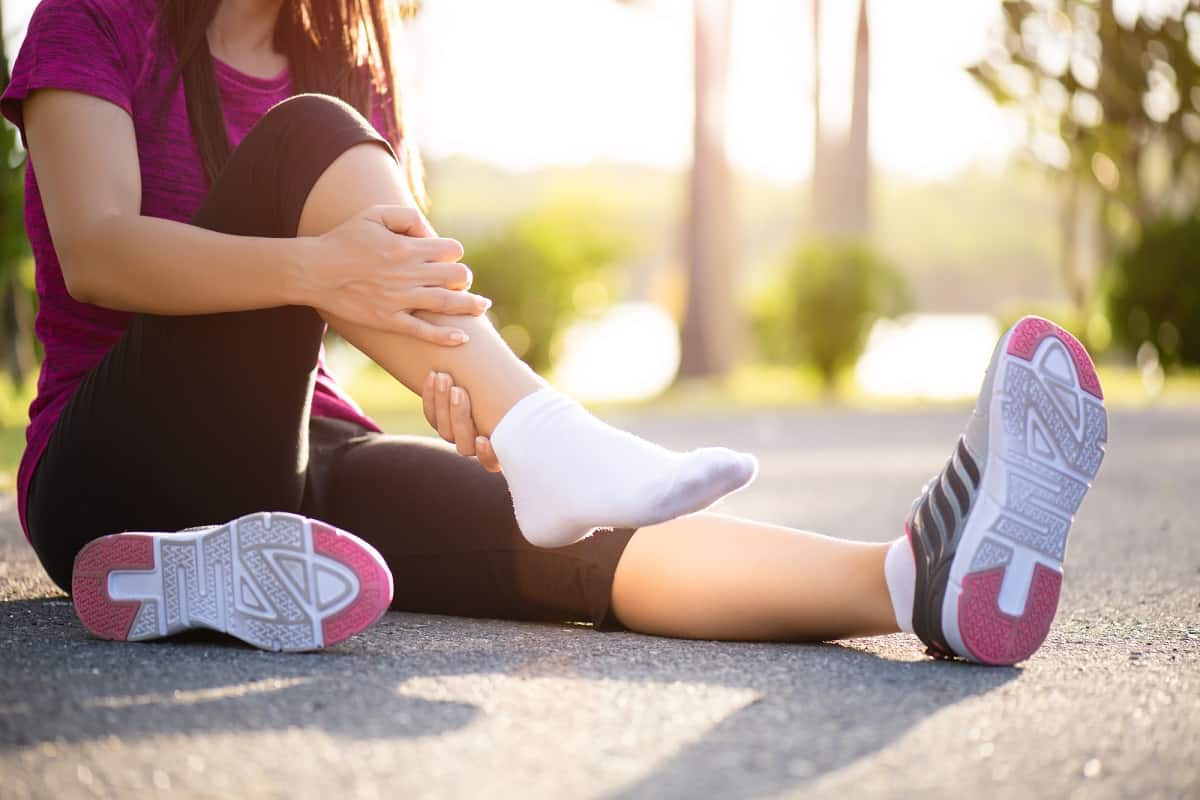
(109, 49)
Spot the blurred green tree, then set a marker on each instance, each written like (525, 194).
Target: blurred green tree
(840, 184)
(16, 301)
(823, 303)
(1155, 292)
(545, 269)
(1112, 100)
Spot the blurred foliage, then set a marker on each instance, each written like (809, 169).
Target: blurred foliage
(962, 242)
(822, 305)
(17, 297)
(1111, 94)
(1155, 292)
(544, 269)
(1109, 88)
(14, 247)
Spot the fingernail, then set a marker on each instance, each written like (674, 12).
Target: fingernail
(456, 395)
(443, 382)
(460, 337)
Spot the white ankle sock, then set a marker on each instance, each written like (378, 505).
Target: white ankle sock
(900, 572)
(569, 473)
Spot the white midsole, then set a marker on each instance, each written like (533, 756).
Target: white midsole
(227, 573)
(989, 503)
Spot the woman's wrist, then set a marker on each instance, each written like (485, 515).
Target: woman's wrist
(294, 260)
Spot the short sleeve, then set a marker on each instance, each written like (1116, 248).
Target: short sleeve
(77, 45)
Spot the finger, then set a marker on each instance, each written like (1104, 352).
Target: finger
(460, 420)
(444, 425)
(427, 399)
(403, 219)
(406, 323)
(447, 301)
(438, 249)
(486, 455)
(450, 276)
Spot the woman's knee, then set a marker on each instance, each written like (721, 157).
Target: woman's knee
(361, 177)
(307, 128)
(263, 188)
(308, 114)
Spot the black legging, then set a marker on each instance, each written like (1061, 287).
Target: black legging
(192, 420)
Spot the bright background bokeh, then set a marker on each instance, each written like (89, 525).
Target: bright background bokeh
(562, 142)
(536, 83)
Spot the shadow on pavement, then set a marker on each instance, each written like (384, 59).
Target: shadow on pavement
(845, 704)
(817, 708)
(197, 682)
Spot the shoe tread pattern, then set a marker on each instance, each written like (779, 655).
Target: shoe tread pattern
(1055, 429)
(254, 578)
(104, 616)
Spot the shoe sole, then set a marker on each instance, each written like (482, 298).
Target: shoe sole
(1046, 433)
(274, 580)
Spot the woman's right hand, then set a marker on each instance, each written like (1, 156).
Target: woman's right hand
(383, 264)
(448, 410)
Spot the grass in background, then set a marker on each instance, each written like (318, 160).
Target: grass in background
(14, 414)
(757, 386)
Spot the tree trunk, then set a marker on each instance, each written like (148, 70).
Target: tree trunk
(1072, 255)
(842, 167)
(17, 319)
(822, 199)
(857, 163)
(709, 336)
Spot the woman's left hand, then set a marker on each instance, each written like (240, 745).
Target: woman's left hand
(448, 409)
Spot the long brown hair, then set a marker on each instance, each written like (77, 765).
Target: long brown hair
(337, 47)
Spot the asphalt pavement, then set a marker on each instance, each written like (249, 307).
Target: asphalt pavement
(427, 706)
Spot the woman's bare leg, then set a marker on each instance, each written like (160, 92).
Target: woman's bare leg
(567, 471)
(701, 576)
(495, 379)
(709, 576)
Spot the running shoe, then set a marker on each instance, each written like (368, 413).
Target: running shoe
(989, 532)
(274, 580)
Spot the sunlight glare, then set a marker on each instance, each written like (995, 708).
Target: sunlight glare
(927, 356)
(533, 83)
(632, 353)
(529, 84)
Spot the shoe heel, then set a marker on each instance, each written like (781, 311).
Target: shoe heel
(993, 637)
(99, 612)
(374, 577)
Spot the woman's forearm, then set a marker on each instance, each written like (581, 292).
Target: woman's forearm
(157, 266)
(375, 268)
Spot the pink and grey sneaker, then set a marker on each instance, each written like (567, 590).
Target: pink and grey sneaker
(989, 533)
(274, 580)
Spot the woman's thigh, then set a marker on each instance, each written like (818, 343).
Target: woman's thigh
(446, 528)
(157, 438)
(191, 420)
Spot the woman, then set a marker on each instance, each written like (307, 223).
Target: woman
(194, 231)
